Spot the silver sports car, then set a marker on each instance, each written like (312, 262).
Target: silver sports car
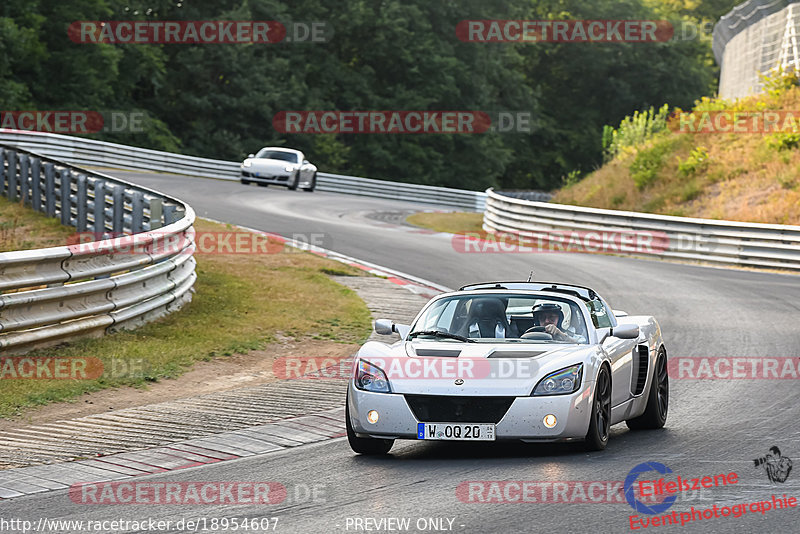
(281, 166)
(528, 361)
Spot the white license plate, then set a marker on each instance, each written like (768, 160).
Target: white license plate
(456, 431)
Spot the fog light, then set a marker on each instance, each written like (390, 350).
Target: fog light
(372, 417)
(549, 420)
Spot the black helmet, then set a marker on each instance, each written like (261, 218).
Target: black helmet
(549, 307)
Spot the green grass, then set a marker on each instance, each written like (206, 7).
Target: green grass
(21, 228)
(456, 222)
(241, 303)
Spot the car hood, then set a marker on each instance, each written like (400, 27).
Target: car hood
(434, 368)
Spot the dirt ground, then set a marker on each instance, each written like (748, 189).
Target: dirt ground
(220, 374)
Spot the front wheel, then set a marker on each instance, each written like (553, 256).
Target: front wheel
(293, 184)
(313, 184)
(244, 182)
(372, 446)
(655, 414)
(599, 425)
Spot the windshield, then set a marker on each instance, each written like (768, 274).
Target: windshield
(502, 318)
(291, 157)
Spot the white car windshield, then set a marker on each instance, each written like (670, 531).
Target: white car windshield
(502, 318)
(291, 157)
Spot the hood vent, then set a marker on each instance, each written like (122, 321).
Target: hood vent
(516, 353)
(443, 353)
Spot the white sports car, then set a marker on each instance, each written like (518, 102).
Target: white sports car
(526, 361)
(280, 166)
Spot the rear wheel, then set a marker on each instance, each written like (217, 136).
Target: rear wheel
(600, 423)
(364, 445)
(655, 414)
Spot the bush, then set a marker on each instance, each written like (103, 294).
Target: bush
(648, 162)
(633, 131)
(697, 161)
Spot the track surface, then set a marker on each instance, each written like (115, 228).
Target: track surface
(714, 426)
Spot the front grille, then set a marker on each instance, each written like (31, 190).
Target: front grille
(456, 409)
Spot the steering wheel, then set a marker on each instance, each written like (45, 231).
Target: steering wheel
(536, 332)
(534, 329)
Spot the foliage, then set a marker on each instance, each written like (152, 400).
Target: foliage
(218, 100)
(695, 163)
(634, 130)
(645, 166)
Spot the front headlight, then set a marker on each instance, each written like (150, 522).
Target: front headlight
(289, 168)
(247, 163)
(371, 378)
(561, 382)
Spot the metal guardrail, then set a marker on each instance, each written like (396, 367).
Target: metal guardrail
(719, 242)
(141, 268)
(82, 151)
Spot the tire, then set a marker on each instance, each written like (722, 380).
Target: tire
(369, 446)
(245, 182)
(293, 186)
(655, 414)
(262, 184)
(599, 425)
(313, 184)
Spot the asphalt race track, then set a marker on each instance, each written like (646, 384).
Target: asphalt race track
(715, 426)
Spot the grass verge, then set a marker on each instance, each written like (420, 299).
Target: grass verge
(21, 228)
(242, 302)
(456, 222)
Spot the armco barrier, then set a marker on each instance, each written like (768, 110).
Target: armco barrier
(80, 151)
(53, 294)
(719, 242)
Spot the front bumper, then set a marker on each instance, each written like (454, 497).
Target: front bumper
(279, 179)
(522, 421)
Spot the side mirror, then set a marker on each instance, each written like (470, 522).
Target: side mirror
(306, 162)
(251, 155)
(384, 327)
(626, 331)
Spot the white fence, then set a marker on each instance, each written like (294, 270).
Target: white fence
(683, 238)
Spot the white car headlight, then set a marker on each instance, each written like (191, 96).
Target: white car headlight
(289, 168)
(561, 382)
(247, 163)
(371, 378)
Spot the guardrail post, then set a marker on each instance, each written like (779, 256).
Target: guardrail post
(24, 188)
(2, 171)
(65, 190)
(118, 209)
(50, 189)
(36, 184)
(82, 198)
(170, 214)
(11, 174)
(99, 227)
(137, 212)
(156, 211)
